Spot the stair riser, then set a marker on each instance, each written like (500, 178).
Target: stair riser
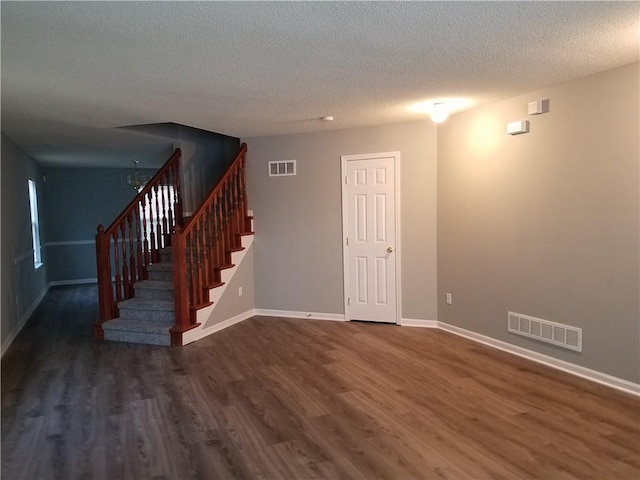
(166, 256)
(154, 294)
(152, 315)
(163, 276)
(138, 337)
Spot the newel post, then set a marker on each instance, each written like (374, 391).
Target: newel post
(177, 189)
(181, 296)
(105, 289)
(246, 221)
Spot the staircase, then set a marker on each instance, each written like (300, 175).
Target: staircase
(150, 314)
(156, 268)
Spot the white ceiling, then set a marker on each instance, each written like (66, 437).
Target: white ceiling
(71, 71)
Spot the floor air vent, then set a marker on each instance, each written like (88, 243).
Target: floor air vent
(545, 331)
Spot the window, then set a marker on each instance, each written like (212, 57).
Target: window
(35, 225)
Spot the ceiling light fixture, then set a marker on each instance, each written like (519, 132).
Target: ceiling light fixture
(134, 180)
(327, 118)
(440, 108)
(439, 112)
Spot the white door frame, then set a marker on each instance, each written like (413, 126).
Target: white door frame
(397, 245)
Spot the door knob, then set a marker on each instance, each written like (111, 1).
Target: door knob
(389, 249)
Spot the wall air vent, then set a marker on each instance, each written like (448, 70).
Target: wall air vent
(545, 331)
(284, 168)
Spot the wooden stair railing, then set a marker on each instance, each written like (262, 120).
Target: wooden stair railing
(134, 239)
(203, 246)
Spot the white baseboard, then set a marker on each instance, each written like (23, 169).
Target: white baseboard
(334, 317)
(567, 367)
(12, 336)
(414, 322)
(198, 333)
(203, 315)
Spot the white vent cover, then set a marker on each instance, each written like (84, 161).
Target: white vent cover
(284, 168)
(545, 331)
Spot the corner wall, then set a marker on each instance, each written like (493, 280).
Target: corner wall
(23, 286)
(298, 219)
(205, 158)
(547, 223)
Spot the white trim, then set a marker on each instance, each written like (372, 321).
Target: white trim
(12, 336)
(333, 317)
(215, 294)
(198, 333)
(23, 256)
(414, 322)
(284, 164)
(78, 281)
(398, 242)
(70, 242)
(567, 367)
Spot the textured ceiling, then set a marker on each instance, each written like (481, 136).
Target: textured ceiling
(71, 71)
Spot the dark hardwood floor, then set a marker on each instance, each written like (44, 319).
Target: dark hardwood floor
(296, 399)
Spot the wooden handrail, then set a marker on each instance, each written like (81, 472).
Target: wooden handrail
(202, 247)
(135, 237)
(215, 192)
(173, 161)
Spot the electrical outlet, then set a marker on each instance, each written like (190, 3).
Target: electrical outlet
(449, 299)
(239, 291)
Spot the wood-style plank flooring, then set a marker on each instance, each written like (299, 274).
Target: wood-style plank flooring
(296, 399)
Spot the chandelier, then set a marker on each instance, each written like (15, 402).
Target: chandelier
(134, 180)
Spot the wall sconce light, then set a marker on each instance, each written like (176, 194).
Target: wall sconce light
(516, 128)
(439, 112)
(538, 107)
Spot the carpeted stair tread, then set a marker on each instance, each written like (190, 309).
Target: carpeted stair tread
(140, 326)
(161, 271)
(154, 285)
(162, 266)
(147, 304)
(138, 331)
(154, 290)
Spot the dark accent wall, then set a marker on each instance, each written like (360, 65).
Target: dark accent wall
(205, 156)
(75, 201)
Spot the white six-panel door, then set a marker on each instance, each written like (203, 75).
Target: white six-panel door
(370, 250)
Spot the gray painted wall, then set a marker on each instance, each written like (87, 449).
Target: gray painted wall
(547, 223)
(75, 201)
(231, 304)
(22, 284)
(298, 219)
